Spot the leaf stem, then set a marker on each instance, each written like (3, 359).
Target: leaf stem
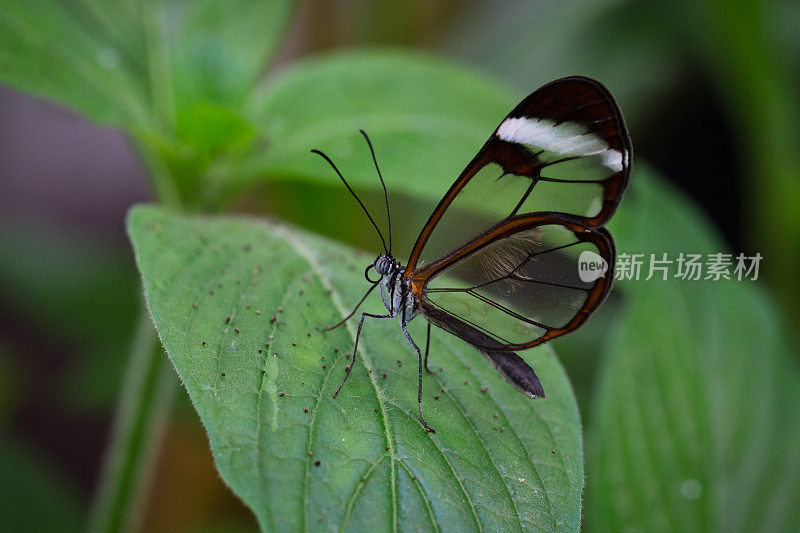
(142, 414)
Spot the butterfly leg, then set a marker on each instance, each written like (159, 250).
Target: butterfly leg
(427, 349)
(355, 348)
(419, 390)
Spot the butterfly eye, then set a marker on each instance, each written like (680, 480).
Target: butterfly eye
(383, 265)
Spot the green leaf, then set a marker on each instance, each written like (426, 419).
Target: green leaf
(221, 289)
(222, 48)
(433, 114)
(696, 415)
(88, 56)
(133, 64)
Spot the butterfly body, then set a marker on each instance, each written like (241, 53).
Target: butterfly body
(499, 262)
(395, 289)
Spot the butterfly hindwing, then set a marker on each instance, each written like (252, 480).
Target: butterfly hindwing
(520, 283)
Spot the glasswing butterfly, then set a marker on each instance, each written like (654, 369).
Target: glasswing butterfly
(550, 176)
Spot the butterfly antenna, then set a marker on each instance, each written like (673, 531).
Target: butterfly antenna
(328, 159)
(385, 194)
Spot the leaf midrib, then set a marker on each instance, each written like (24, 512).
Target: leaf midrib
(308, 255)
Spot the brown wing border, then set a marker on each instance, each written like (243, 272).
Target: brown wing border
(510, 154)
(598, 236)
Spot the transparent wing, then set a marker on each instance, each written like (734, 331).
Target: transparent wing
(564, 149)
(523, 282)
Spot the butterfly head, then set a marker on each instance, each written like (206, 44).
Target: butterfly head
(385, 264)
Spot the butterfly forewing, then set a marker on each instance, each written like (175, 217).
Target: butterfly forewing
(520, 282)
(564, 149)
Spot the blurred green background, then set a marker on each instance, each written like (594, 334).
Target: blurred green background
(709, 89)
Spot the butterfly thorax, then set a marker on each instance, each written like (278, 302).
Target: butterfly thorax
(395, 290)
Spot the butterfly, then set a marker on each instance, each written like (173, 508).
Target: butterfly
(516, 253)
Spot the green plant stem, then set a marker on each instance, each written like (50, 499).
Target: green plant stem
(142, 414)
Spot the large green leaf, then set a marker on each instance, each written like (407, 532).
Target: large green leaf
(132, 64)
(221, 290)
(173, 73)
(433, 114)
(696, 416)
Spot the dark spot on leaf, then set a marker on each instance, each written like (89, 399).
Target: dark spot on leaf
(203, 343)
(484, 388)
(294, 344)
(263, 371)
(466, 382)
(495, 427)
(317, 463)
(552, 451)
(247, 247)
(260, 350)
(443, 389)
(222, 373)
(436, 397)
(496, 415)
(266, 345)
(305, 410)
(280, 309)
(281, 394)
(310, 452)
(324, 366)
(309, 333)
(399, 362)
(219, 285)
(194, 305)
(503, 428)
(384, 374)
(211, 293)
(302, 383)
(273, 318)
(236, 330)
(248, 306)
(227, 319)
(376, 410)
(323, 357)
